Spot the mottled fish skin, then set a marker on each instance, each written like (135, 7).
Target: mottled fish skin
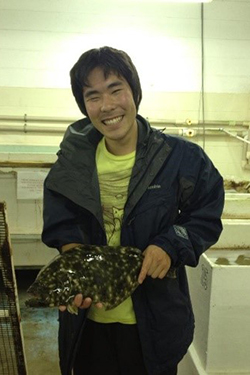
(106, 274)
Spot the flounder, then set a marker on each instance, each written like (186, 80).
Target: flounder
(106, 274)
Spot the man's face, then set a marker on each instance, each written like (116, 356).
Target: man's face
(110, 106)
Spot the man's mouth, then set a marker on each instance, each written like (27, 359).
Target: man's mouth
(113, 121)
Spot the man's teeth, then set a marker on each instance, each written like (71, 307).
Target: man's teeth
(113, 121)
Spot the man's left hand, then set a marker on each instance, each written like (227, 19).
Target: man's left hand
(156, 263)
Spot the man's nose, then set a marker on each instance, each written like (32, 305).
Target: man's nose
(108, 103)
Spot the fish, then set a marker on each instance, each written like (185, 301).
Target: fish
(106, 274)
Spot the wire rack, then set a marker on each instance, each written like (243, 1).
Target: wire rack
(12, 357)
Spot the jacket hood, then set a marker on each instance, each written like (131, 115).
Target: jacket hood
(84, 128)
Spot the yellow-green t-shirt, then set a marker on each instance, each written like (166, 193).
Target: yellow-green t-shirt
(114, 174)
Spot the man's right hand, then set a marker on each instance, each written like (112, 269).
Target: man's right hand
(82, 303)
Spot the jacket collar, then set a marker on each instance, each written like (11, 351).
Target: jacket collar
(77, 154)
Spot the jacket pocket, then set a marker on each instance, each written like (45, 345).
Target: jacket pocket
(171, 317)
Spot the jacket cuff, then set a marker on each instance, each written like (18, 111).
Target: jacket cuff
(177, 245)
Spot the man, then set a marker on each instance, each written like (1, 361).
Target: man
(117, 181)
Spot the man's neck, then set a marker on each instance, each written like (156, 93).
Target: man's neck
(123, 146)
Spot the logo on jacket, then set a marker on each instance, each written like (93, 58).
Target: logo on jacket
(153, 187)
(181, 231)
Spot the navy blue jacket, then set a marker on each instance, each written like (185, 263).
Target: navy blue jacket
(175, 201)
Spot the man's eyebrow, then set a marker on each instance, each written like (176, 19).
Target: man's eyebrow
(114, 84)
(90, 92)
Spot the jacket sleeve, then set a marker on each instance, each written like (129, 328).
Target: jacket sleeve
(61, 220)
(201, 199)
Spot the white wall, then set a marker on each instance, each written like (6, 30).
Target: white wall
(41, 40)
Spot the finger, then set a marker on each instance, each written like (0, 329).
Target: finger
(62, 308)
(155, 272)
(82, 303)
(155, 268)
(162, 274)
(78, 300)
(159, 273)
(86, 302)
(143, 273)
(99, 305)
(142, 276)
(146, 264)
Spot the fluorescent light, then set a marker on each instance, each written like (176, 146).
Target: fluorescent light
(172, 1)
(187, 1)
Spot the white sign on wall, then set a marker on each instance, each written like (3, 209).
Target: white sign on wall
(30, 184)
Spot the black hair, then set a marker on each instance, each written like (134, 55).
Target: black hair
(110, 60)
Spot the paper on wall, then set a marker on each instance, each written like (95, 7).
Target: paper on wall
(30, 184)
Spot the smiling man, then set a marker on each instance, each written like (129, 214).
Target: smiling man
(111, 108)
(118, 181)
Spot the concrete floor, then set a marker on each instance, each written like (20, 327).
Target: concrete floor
(40, 329)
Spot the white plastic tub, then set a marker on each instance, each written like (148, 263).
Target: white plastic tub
(221, 300)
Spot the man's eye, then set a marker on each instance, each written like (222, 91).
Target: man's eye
(116, 91)
(93, 99)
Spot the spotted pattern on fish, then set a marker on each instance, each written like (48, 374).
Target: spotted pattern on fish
(106, 274)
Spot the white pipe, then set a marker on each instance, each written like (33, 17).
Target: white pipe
(26, 118)
(43, 128)
(38, 124)
(64, 120)
(235, 136)
(26, 128)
